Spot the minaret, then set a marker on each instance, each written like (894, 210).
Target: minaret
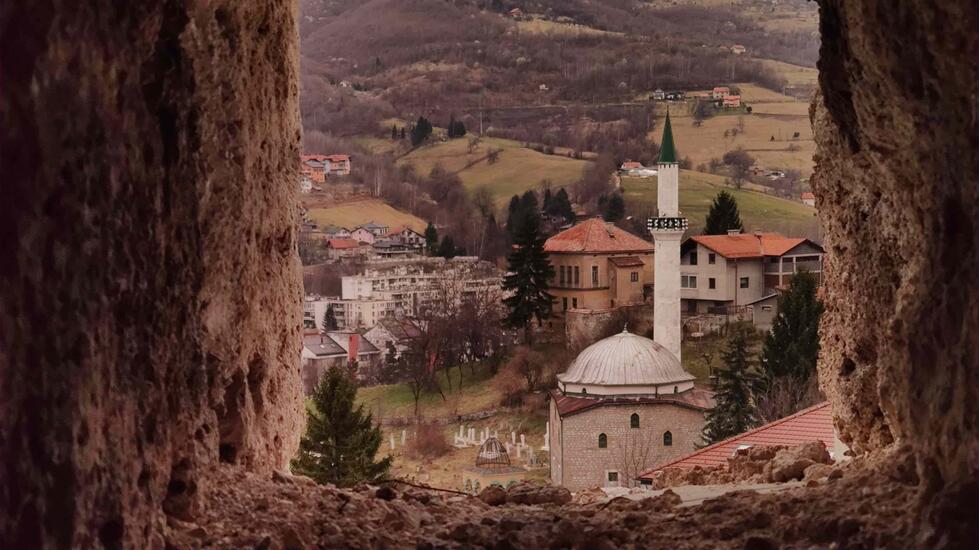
(667, 229)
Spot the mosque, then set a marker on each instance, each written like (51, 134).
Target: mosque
(626, 404)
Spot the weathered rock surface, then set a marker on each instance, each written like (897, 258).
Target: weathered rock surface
(896, 186)
(148, 279)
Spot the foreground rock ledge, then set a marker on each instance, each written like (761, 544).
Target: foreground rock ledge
(864, 508)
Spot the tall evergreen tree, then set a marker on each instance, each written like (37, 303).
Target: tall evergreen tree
(447, 248)
(401, 134)
(791, 347)
(431, 238)
(527, 280)
(734, 410)
(451, 127)
(513, 214)
(562, 206)
(546, 199)
(614, 208)
(341, 441)
(421, 131)
(394, 132)
(329, 319)
(723, 215)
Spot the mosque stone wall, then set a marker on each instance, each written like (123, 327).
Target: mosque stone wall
(630, 451)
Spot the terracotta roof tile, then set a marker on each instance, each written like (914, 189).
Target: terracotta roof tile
(747, 245)
(342, 243)
(807, 195)
(626, 261)
(595, 235)
(813, 424)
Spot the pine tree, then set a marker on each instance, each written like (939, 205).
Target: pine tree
(734, 410)
(723, 215)
(431, 237)
(791, 347)
(394, 132)
(329, 319)
(341, 441)
(528, 274)
(546, 201)
(447, 248)
(402, 133)
(561, 206)
(451, 127)
(421, 131)
(513, 214)
(614, 208)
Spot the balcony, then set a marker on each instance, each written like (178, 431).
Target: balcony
(667, 224)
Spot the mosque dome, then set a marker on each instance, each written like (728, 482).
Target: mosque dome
(625, 364)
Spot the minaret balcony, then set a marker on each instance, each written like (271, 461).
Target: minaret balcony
(667, 224)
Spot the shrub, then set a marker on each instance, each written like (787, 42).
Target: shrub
(429, 442)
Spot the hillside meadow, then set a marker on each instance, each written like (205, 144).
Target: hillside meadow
(697, 190)
(355, 213)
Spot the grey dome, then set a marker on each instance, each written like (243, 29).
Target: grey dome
(625, 359)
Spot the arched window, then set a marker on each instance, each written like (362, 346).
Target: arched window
(602, 441)
(584, 391)
(668, 439)
(634, 420)
(675, 389)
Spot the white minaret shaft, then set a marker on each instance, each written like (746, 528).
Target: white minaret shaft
(667, 230)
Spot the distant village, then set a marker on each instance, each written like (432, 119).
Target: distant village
(405, 309)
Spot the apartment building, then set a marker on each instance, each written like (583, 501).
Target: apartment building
(719, 272)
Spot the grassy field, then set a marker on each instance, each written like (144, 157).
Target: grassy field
(759, 211)
(795, 75)
(353, 214)
(542, 26)
(517, 169)
(767, 133)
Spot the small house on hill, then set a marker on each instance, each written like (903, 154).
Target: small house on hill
(731, 101)
(808, 199)
(719, 92)
(339, 164)
(738, 49)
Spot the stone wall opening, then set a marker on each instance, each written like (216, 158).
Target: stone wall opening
(150, 326)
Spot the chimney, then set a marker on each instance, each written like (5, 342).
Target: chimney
(734, 232)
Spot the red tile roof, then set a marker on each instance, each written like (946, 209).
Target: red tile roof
(318, 158)
(626, 261)
(813, 424)
(631, 165)
(747, 245)
(696, 398)
(342, 243)
(807, 195)
(595, 235)
(338, 158)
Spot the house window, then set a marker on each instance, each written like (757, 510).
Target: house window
(574, 303)
(564, 303)
(595, 275)
(711, 257)
(634, 420)
(668, 439)
(711, 282)
(576, 275)
(561, 275)
(613, 477)
(634, 276)
(603, 442)
(693, 256)
(743, 282)
(689, 281)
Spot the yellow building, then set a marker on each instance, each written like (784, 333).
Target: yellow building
(598, 266)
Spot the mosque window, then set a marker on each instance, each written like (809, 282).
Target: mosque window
(668, 439)
(634, 420)
(675, 389)
(603, 442)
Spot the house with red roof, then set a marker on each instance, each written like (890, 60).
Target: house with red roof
(339, 165)
(812, 424)
(808, 199)
(598, 266)
(728, 273)
(344, 248)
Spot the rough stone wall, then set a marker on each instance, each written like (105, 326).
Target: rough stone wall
(148, 282)
(585, 327)
(896, 183)
(630, 451)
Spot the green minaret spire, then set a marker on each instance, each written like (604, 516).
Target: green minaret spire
(667, 153)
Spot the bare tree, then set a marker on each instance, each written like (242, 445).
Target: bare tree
(636, 455)
(785, 396)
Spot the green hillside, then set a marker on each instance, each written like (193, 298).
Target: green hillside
(516, 170)
(697, 190)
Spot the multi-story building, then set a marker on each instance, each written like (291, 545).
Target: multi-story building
(339, 164)
(722, 271)
(403, 286)
(598, 266)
